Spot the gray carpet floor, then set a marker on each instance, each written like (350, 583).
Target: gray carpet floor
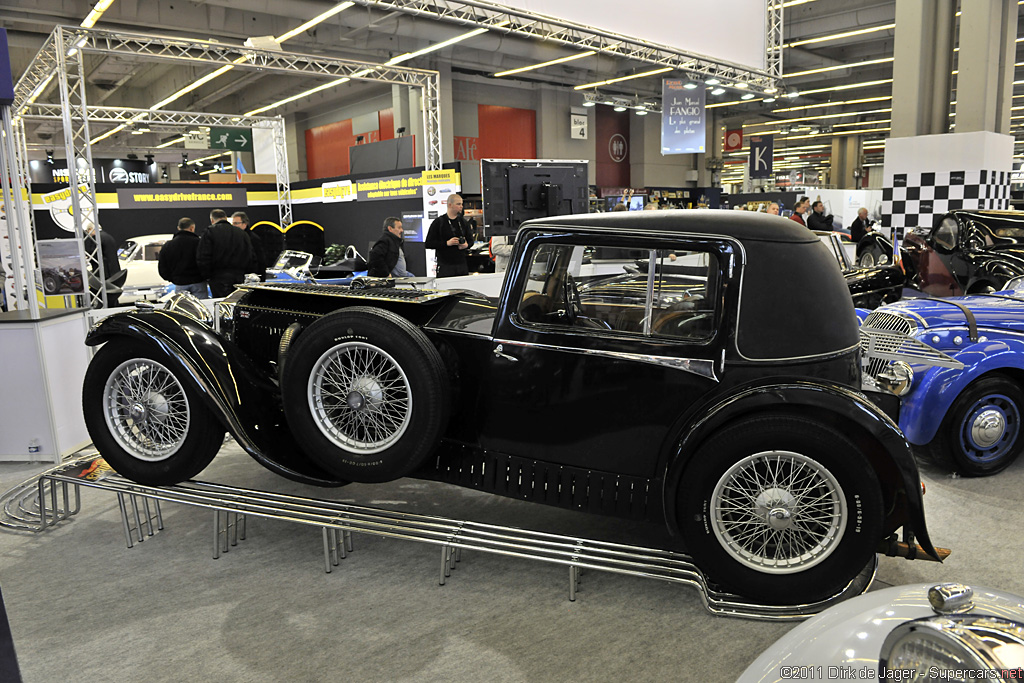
(83, 607)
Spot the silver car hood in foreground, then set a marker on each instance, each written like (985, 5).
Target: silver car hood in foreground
(849, 636)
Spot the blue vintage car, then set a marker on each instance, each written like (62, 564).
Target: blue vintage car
(957, 365)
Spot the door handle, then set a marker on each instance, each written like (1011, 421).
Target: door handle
(500, 354)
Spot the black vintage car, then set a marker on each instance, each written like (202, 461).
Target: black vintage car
(965, 252)
(709, 403)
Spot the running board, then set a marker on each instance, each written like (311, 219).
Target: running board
(54, 496)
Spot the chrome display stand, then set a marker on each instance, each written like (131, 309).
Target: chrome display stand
(54, 497)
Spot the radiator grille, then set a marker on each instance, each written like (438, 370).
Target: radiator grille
(890, 322)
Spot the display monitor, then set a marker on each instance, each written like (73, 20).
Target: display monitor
(515, 190)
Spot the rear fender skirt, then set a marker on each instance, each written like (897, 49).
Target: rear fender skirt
(867, 426)
(924, 408)
(228, 383)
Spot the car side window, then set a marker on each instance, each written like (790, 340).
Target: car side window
(621, 291)
(945, 234)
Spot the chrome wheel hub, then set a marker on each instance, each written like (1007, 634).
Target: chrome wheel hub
(988, 427)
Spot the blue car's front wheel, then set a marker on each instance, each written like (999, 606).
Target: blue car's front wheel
(982, 431)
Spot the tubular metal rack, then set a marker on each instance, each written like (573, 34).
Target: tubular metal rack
(54, 496)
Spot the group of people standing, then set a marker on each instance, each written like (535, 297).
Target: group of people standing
(450, 235)
(213, 262)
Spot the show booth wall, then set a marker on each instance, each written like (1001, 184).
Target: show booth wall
(130, 212)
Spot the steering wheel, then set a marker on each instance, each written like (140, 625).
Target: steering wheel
(573, 306)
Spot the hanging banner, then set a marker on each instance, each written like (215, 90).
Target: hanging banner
(761, 152)
(682, 118)
(733, 140)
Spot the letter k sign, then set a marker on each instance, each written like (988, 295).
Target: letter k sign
(759, 160)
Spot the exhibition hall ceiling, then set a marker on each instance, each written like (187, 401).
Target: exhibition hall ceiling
(836, 66)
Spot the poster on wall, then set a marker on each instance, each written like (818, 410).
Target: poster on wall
(682, 118)
(761, 152)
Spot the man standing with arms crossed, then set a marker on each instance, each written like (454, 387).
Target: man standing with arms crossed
(450, 236)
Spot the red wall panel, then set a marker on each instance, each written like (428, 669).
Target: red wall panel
(612, 148)
(506, 133)
(386, 119)
(327, 149)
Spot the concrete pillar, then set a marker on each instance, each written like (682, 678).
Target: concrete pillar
(447, 110)
(846, 154)
(400, 105)
(922, 66)
(988, 30)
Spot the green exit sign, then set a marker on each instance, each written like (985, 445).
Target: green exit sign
(235, 139)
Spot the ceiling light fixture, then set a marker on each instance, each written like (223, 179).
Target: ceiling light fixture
(712, 81)
(609, 81)
(560, 60)
(641, 112)
(718, 91)
(848, 86)
(795, 74)
(443, 44)
(839, 36)
(748, 96)
(171, 142)
(97, 12)
(337, 9)
(690, 86)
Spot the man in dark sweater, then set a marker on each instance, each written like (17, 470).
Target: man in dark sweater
(450, 236)
(178, 261)
(240, 219)
(224, 255)
(387, 259)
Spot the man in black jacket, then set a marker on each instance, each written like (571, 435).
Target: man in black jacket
(177, 262)
(111, 266)
(861, 225)
(240, 219)
(817, 220)
(450, 236)
(387, 258)
(224, 255)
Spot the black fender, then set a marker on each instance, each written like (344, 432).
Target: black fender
(873, 239)
(839, 408)
(229, 384)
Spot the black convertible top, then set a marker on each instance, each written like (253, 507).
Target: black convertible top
(743, 225)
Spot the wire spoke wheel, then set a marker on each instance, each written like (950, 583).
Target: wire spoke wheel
(778, 512)
(146, 409)
(361, 397)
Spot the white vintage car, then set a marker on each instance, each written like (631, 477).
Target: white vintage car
(922, 632)
(139, 256)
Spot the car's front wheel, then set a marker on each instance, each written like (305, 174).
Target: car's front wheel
(981, 434)
(366, 394)
(148, 424)
(780, 509)
(873, 256)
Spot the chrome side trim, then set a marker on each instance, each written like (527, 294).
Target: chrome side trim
(878, 344)
(696, 366)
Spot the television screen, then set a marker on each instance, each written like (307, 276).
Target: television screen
(518, 190)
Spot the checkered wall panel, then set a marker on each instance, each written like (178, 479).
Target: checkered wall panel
(917, 198)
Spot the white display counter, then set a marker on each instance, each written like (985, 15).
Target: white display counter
(42, 367)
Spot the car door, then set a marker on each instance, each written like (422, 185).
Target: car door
(594, 363)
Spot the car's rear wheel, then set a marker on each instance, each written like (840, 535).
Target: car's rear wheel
(780, 509)
(981, 433)
(148, 424)
(366, 394)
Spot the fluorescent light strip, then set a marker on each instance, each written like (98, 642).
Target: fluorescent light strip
(171, 142)
(623, 78)
(552, 62)
(833, 104)
(97, 12)
(849, 86)
(217, 170)
(820, 116)
(212, 156)
(884, 60)
(838, 36)
(306, 93)
(202, 81)
(337, 9)
(730, 104)
(40, 88)
(451, 41)
(833, 134)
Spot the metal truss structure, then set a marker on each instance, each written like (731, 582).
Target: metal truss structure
(61, 57)
(533, 26)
